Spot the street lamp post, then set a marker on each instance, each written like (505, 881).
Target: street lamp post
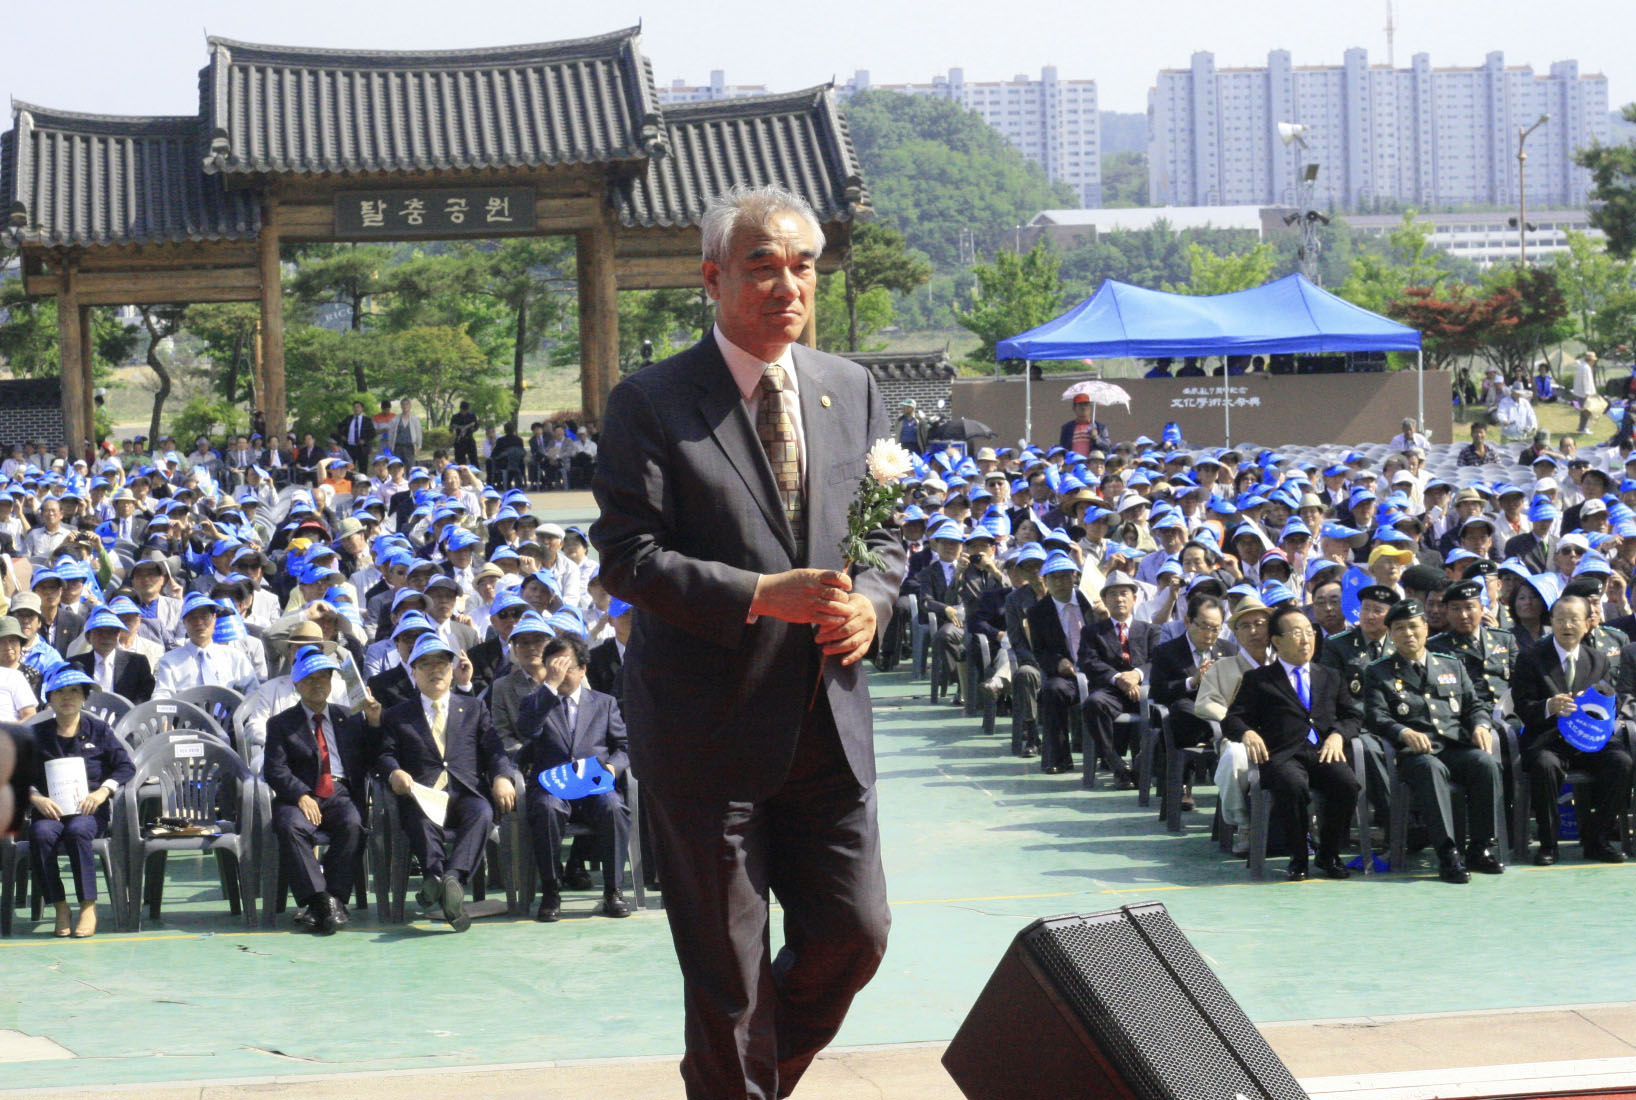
(1522, 188)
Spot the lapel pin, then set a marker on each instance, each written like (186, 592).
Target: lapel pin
(824, 401)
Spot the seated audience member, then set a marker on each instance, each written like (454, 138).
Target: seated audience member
(1217, 687)
(1426, 705)
(445, 741)
(200, 659)
(317, 761)
(279, 693)
(70, 830)
(1178, 670)
(1550, 675)
(1056, 628)
(1026, 678)
(112, 669)
(1114, 657)
(1295, 719)
(562, 722)
(528, 637)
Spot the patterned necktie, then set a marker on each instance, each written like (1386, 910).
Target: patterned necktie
(1124, 642)
(326, 781)
(776, 430)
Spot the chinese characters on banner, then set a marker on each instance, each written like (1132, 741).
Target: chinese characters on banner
(434, 212)
(1212, 397)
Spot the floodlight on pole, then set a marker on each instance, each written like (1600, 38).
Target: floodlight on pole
(1295, 133)
(1522, 188)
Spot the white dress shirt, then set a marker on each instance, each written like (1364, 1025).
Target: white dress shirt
(1072, 623)
(189, 666)
(747, 372)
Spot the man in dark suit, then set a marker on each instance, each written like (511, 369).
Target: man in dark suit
(1295, 720)
(561, 723)
(356, 433)
(445, 741)
(1550, 675)
(729, 558)
(1114, 657)
(939, 596)
(1179, 666)
(314, 756)
(121, 671)
(605, 672)
(1056, 630)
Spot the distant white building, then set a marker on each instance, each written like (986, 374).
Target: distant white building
(1051, 121)
(1435, 136)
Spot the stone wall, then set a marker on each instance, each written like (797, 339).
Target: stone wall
(31, 408)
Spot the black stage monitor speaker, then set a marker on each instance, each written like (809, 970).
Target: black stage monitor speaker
(1112, 1005)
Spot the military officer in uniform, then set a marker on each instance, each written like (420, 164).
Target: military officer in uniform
(1349, 653)
(1489, 655)
(1427, 705)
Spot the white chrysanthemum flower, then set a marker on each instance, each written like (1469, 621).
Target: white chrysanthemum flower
(887, 461)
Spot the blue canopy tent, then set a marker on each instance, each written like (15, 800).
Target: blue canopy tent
(1287, 316)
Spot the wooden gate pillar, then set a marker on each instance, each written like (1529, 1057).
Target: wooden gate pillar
(71, 359)
(272, 326)
(598, 314)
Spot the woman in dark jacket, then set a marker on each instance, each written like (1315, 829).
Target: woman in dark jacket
(71, 829)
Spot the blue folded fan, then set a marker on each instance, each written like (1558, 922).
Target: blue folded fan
(1589, 728)
(576, 780)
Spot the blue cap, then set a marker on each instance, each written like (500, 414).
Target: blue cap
(123, 605)
(66, 675)
(412, 620)
(1171, 521)
(311, 659)
(1057, 562)
(41, 576)
(617, 607)
(1275, 593)
(222, 546)
(1318, 565)
(1172, 567)
(547, 578)
(1242, 589)
(1339, 531)
(104, 619)
(980, 534)
(565, 621)
(1459, 553)
(504, 599)
(1594, 564)
(428, 644)
(914, 513)
(1542, 511)
(532, 622)
(1033, 551)
(1549, 587)
(198, 601)
(1294, 527)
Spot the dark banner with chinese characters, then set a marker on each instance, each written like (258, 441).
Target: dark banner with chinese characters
(434, 212)
(1271, 409)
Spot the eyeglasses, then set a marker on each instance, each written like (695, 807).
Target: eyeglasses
(1300, 632)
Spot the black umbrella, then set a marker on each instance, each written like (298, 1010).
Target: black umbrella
(964, 427)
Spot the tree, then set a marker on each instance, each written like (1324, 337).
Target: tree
(949, 181)
(1600, 292)
(652, 325)
(321, 366)
(1613, 189)
(1014, 294)
(1452, 323)
(1209, 273)
(1528, 314)
(842, 329)
(1124, 180)
(440, 365)
(1380, 277)
(28, 334)
(346, 275)
(878, 260)
(228, 332)
(161, 323)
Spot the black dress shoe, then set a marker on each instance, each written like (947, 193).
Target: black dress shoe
(1332, 867)
(339, 913)
(1481, 858)
(1546, 856)
(308, 918)
(454, 903)
(1125, 781)
(613, 905)
(576, 878)
(430, 892)
(329, 916)
(1296, 873)
(550, 910)
(1603, 852)
(1450, 868)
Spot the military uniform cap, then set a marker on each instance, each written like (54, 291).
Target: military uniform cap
(1405, 609)
(1463, 590)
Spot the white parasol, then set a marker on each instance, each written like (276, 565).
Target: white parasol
(1100, 393)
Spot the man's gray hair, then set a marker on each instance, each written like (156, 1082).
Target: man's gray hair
(740, 206)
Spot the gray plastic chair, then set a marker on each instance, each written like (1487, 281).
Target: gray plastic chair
(216, 701)
(162, 715)
(110, 706)
(14, 869)
(198, 782)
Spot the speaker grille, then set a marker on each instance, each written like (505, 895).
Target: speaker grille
(1170, 1031)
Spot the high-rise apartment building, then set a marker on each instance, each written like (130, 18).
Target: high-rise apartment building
(1051, 121)
(1430, 136)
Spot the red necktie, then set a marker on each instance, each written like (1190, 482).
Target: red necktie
(326, 781)
(1124, 643)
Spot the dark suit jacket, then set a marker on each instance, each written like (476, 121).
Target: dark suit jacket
(1048, 644)
(291, 763)
(1101, 658)
(1529, 548)
(67, 626)
(934, 590)
(1266, 703)
(603, 671)
(392, 686)
(366, 430)
(598, 731)
(1173, 664)
(690, 518)
(488, 663)
(1538, 676)
(133, 676)
(474, 753)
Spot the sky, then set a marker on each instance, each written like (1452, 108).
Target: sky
(141, 56)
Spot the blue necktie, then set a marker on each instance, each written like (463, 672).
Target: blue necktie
(1306, 701)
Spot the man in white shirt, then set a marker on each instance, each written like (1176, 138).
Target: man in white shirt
(1584, 386)
(1408, 437)
(279, 693)
(199, 660)
(1217, 687)
(44, 540)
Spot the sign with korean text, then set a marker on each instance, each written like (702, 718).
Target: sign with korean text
(434, 212)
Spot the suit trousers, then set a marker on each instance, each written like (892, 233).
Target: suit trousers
(754, 1022)
(1026, 684)
(340, 823)
(359, 455)
(1112, 742)
(1598, 809)
(1187, 728)
(548, 818)
(71, 836)
(1292, 781)
(951, 648)
(465, 451)
(1479, 775)
(1059, 695)
(455, 846)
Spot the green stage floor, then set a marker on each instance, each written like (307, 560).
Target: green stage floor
(976, 844)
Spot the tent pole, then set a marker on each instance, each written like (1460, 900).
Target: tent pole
(1028, 401)
(1226, 406)
(1420, 373)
